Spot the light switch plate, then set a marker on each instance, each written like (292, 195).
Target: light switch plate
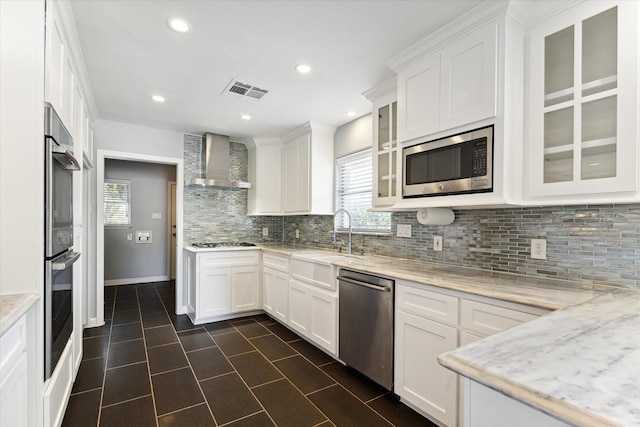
(437, 243)
(265, 231)
(403, 230)
(156, 215)
(297, 234)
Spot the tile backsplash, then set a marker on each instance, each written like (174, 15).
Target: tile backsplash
(592, 244)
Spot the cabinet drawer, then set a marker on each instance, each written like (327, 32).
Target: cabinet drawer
(487, 319)
(278, 262)
(423, 302)
(322, 275)
(228, 259)
(12, 344)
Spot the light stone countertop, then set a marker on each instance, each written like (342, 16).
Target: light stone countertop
(533, 291)
(580, 364)
(13, 306)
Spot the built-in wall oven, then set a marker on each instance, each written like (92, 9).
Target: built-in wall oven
(58, 254)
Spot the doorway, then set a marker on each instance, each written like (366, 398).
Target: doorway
(102, 156)
(172, 222)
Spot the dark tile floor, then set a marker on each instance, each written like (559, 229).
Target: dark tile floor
(150, 367)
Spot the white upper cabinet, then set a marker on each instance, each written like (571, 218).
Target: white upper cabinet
(265, 176)
(386, 153)
(449, 88)
(583, 112)
(293, 175)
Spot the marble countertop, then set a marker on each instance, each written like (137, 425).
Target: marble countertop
(12, 307)
(537, 292)
(580, 364)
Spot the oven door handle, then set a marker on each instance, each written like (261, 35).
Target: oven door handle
(366, 285)
(65, 158)
(66, 261)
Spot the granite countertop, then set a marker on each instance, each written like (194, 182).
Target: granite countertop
(580, 364)
(12, 307)
(534, 291)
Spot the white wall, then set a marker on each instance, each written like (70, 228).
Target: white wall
(353, 137)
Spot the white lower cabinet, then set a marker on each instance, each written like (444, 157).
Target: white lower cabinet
(275, 293)
(419, 379)
(430, 321)
(14, 373)
(220, 284)
(313, 313)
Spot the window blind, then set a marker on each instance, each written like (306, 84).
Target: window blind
(354, 189)
(117, 202)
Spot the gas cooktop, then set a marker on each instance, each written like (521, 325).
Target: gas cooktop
(209, 245)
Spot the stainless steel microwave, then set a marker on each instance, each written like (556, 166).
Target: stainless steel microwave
(457, 164)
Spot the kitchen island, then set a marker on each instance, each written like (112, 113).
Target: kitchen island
(580, 364)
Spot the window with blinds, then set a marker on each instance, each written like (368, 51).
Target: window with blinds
(117, 202)
(354, 189)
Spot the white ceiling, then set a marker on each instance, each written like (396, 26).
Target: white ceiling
(131, 54)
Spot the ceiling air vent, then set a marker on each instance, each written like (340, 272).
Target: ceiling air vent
(242, 90)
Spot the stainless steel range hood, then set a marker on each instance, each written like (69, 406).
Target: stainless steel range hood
(215, 150)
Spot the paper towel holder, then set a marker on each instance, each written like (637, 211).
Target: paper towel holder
(435, 216)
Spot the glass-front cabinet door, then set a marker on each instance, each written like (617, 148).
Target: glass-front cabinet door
(583, 94)
(385, 155)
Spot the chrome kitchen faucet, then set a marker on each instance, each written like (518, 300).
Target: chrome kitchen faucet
(350, 227)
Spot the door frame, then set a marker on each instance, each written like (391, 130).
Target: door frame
(102, 155)
(170, 202)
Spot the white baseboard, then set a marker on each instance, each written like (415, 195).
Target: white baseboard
(116, 282)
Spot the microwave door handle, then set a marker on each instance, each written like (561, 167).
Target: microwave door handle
(66, 262)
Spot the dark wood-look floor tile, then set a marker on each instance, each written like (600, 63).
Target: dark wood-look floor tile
(254, 368)
(83, 409)
(282, 332)
(399, 414)
(160, 335)
(126, 353)
(95, 347)
(303, 374)
(287, 406)
(344, 409)
(129, 316)
(108, 309)
(272, 347)
(152, 307)
(260, 419)
(126, 292)
(175, 390)
(182, 322)
(209, 362)
(166, 358)
(98, 331)
(150, 320)
(217, 328)
(130, 331)
(252, 329)
(109, 292)
(196, 416)
(233, 343)
(90, 375)
(229, 398)
(138, 412)
(356, 383)
(125, 383)
(146, 289)
(241, 321)
(195, 339)
(264, 319)
(126, 305)
(311, 352)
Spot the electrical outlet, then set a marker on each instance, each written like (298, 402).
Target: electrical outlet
(437, 243)
(538, 249)
(403, 230)
(129, 236)
(297, 234)
(265, 231)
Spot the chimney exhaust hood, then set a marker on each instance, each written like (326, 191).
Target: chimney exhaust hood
(215, 150)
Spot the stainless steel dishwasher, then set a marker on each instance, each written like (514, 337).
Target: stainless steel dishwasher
(366, 325)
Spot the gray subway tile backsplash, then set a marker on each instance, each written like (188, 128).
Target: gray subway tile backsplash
(592, 244)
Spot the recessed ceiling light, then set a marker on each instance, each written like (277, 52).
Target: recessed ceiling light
(245, 117)
(158, 98)
(303, 68)
(351, 113)
(179, 25)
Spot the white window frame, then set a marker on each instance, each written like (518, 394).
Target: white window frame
(129, 202)
(341, 222)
